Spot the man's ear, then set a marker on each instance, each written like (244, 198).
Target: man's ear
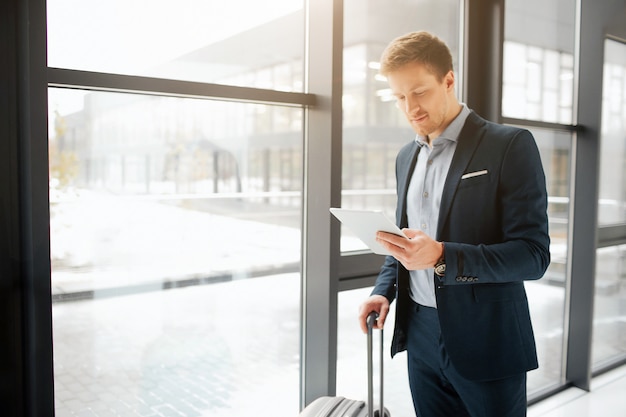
(449, 80)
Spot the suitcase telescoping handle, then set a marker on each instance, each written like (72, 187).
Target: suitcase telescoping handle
(371, 321)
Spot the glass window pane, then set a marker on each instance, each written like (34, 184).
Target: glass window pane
(373, 128)
(612, 204)
(174, 222)
(609, 326)
(236, 42)
(352, 358)
(546, 296)
(538, 71)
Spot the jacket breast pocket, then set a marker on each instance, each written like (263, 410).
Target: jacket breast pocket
(474, 178)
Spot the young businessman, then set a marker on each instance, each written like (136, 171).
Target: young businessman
(472, 200)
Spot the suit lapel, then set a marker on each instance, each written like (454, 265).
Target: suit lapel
(468, 141)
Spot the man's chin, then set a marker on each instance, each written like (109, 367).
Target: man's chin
(420, 131)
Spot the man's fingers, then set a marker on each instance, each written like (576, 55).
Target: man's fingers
(382, 316)
(377, 303)
(411, 233)
(380, 322)
(365, 310)
(391, 238)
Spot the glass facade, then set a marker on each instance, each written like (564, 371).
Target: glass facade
(352, 358)
(374, 131)
(173, 221)
(160, 213)
(547, 296)
(538, 60)
(176, 223)
(188, 351)
(609, 326)
(538, 78)
(191, 40)
(612, 204)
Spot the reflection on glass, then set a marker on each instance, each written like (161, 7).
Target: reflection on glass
(538, 61)
(612, 204)
(373, 128)
(174, 222)
(609, 320)
(546, 296)
(352, 358)
(236, 42)
(609, 315)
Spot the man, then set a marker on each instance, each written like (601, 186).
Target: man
(472, 200)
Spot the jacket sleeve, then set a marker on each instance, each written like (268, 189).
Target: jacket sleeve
(386, 281)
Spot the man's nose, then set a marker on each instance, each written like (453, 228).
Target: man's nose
(411, 105)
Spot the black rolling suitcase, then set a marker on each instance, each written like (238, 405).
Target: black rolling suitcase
(344, 407)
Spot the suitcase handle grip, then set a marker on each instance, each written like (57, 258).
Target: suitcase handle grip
(371, 320)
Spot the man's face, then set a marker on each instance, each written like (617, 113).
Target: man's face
(425, 101)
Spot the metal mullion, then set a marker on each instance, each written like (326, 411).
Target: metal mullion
(97, 81)
(482, 73)
(322, 189)
(12, 378)
(541, 125)
(359, 264)
(33, 263)
(611, 235)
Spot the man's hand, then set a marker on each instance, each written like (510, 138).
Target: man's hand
(377, 303)
(417, 252)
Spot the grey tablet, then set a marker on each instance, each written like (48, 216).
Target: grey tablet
(365, 223)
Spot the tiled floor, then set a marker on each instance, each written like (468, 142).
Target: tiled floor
(607, 398)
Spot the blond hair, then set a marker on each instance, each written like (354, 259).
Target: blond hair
(420, 47)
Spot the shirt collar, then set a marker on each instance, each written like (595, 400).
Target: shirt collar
(453, 130)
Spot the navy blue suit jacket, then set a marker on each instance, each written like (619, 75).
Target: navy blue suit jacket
(493, 221)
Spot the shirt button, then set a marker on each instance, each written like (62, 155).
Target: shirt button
(430, 162)
(423, 225)
(425, 194)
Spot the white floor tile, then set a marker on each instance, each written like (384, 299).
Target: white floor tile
(607, 398)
